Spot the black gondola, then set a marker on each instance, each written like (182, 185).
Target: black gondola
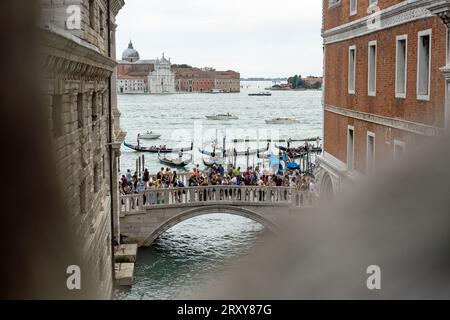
(175, 162)
(154, 149)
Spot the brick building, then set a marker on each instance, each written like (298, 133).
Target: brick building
(77, 47)
(386, 71)
(204, 80)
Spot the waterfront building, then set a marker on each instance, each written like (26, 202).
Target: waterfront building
(386, 68)
(132, 84)
(79, 88)
(162, 78)
(206, 79)
(144, 76)
(311, 80)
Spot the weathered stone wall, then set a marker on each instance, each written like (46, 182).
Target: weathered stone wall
(76, 91)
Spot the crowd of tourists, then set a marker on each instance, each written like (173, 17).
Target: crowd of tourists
(214, 176)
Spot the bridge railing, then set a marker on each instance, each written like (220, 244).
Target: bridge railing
(235, 195)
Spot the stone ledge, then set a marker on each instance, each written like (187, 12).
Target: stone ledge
(124, 274)
(125, 253)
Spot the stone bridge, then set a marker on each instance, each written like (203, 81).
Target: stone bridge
(147, 215)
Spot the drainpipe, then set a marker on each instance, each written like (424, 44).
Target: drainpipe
(110, 140)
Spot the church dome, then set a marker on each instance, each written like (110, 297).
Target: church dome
(130, 54)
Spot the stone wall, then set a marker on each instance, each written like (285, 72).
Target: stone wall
(75, 88)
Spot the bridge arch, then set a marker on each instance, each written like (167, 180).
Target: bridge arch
(205, 210)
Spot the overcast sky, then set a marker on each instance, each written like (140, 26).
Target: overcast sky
(264, 38)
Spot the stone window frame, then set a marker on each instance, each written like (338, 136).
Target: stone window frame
(355, 9)
(353, 90)
(352, 166)
(403, 37)
(372, 93)
(334, 3)
(370, 134)
(398, 143)
(420, 34)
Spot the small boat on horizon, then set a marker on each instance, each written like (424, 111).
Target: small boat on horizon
(282, 121)
(227, 116)
(149, 135)
(261, 94)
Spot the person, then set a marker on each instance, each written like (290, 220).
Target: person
(123, 182)
(160, 174)
(140, 186)
(221, 170)
(180, 155)
(129, 178)
(146, 177)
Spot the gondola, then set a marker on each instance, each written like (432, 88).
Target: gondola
(234, 152)
(300, 150)
(154, 149)
(175, 162)
(261, 155)
(213, 162)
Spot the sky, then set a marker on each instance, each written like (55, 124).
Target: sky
(258, 38)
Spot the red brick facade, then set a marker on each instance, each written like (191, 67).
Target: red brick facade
(198, 80)
(390, 119)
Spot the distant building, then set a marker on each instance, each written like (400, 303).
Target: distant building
(386, 84)
(144, 76)
(132, 84)
(205, 80)
(311, 80)
(162, 78)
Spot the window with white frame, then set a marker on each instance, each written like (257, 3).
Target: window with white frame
(353, 7)
(351, 69)
(373, 3)
(401, 63)
(399, 149)
(333, 3)
(423, 65)
(370, 152)
(372, 68)
(350, 148)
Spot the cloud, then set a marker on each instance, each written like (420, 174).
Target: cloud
(255, 37)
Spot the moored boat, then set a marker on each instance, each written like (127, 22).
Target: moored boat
(213, 161)
(282, 121)
(177, 162)
(154, 149)
(227, 116)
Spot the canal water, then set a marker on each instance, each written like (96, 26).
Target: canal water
(188, 256)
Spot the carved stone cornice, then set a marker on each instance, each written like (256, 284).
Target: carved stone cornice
(396, 123)
(116, 5)
(65, 59)
(442, 10)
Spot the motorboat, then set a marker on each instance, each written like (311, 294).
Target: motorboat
(222, 117)
(149, 135)
(261, 94)
(282, 121)
(216, 91)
